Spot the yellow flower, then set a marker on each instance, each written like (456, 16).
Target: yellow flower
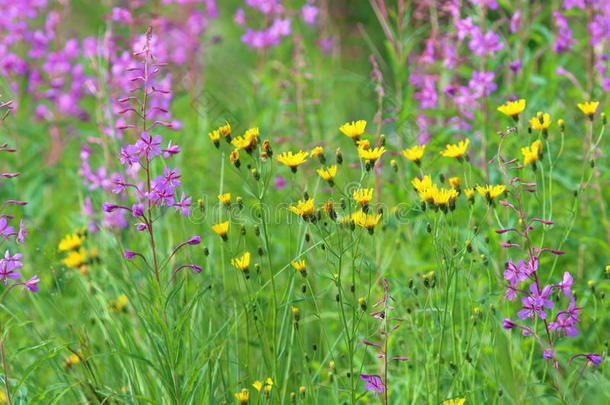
(363, 143)
(70, 242)
(513, 108)
(292, 160)
(258, 385)
(234, 157)
(247, 141)
(221, 229)
(589, 108)
(353, 129)
(118, 304)
(75, 258)
(243, 397)
(415, 153)
(491, 192)
(428, 194)
(225, 198)
(365, 220)
(371, 155)
(420, 184)
(531, 154)
(455, 401)
(455, 182)
(445, 197)
(317, 151)
(72, 360)
(225, 130)
(214, 136)
(242, 263)
(328, 174)
(304, 208)
(541, 121)
(300, 267)
(456, 151)
(268, 385)
(3, 398)
(469, 193)
(363, 195)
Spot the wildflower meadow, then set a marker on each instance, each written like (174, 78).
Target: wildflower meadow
(304, 202)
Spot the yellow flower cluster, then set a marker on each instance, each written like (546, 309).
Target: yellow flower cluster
(531, 154)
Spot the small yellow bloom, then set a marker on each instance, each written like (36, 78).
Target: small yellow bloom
(214, 136)
(72, 360)
(445, 197)
(299, 266)
(456, 151)
(363, 144)
(268, 384)
(363, 195)
(371, 155)
(302, 390)
(242, 263)
(258, 385)
(469, 193)
(420, 184)
(75, 258)
(225, 198)
(304, 208)
(455, 182)
(3, 398)
(293, 160)
(415, 153)
(491, 192)
(513, 108)
(589, 108)
(70, 242)
(221, 229)
(243, 397)
(118, 304)
(296, 313)
(541, 121)
(317, 151)
(428, 194)
(247, 141)
(365, 220)
(531, 154)
(353, 129)
(455, 401)
(328, 174)
(225, 130)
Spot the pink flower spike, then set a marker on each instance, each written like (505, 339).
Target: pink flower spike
(503, 244)
(505, 230)
(401, 358)
(368, 343)
(554, 251)
(529, 184)
(15, 202)
(543, 221)
(506, 204)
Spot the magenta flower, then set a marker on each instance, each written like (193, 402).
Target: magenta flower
(535, 303)
(149, 145)
(31, 284)
(373, 382)
(566, 284)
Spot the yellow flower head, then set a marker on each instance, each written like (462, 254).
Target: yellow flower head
(268, 384)
(225, 198)
(225, 130)
(589, 108)
(363, 144)
(118, 304)
(292, 160)
(243, 397)
(513, 108)
(304, 208)
(363, 195)
(234, 157)
(214, 136)
(455, 182)
(428, 194)
(456, 151)
(258, 385)
(328, 174)
(531, 154)
(221, 229)
(455, 401)
(420, 184)
(317, 151)
(3, 398)
(71, 242)
(371, 155)
(365, 220)
(242, 263)
(491, 192)
(445, 197)
(469, 193)
(75, 258)
(541, 121)
(247, 141)
(299, 265)
(415, 153)
(353, 129)
(72, 360)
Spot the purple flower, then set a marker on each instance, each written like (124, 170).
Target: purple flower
(508, 324)
(535, 303)
(149, 145)
(280, 183)
(171, 177)
(309, 14)
(31, 284)
(8, 266)
(563, 39)
(118, 181)
(515, 273)
(170, 150)
(130, 254)
(373, 382)
(137, 210)
(21, 233)
(184, 205)
(515, 22)
(485, 44)
(5, 229)
(566, 284)
(195, 268)
(549, 354)
(129, 155)
(594, 358)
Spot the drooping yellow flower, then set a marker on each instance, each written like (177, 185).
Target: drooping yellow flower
(415, 153)
(363, 195)
(455, 401)
(531, 154)
(293, 160)
(225, 198)
(118, 304)
(365, 220)
(513, 108)
(420, 184)
(242, 263)
(75, 258)
(541, 121)
(589, 108)
(304, 209)
(363, 144)
(490, 192)
(221, 229)
(243, 397)
(234, 158)
(455, 182)
(457, 150)
(371, 155)
(71, 242)
(300, 266)
(353, 129)
(328, 174)
(72, 360)
(247, 141)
